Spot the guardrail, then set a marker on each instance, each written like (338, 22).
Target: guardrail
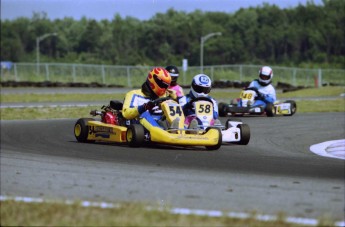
(133, 76)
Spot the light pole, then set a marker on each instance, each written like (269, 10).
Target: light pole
(38, 40)
(203, 39)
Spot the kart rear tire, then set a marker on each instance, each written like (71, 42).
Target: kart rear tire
(245, 134)
(81, 130)
(222, 109)
(270, 110)
(135, 135)
(293, 107)
(217, 146)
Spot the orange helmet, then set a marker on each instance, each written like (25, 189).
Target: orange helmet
(159, 80)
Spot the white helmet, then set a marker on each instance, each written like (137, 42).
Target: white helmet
(201, 86)
(265, 75)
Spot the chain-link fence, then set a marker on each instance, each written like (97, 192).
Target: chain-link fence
(133, 76)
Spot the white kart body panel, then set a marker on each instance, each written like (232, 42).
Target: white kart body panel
(233, 133)
(282, 108)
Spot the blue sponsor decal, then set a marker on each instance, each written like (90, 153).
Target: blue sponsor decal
(204, 79)
(150, 118)
(106, 136)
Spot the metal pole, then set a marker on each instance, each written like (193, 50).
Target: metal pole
(38, 40)
(202, 41)
(37, 55)
(319, 78)
(202, 55)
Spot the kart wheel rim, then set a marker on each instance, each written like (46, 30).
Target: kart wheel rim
(293, 109)
(129, 135)
(77, 130)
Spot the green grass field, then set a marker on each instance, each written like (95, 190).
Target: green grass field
(303, 106)
(125, 214)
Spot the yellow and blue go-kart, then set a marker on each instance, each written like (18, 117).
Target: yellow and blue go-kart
(154, 126)
(167, 127)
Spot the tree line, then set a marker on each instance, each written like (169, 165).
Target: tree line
(307, 36)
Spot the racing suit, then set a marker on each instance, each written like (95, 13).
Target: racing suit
(267, 94)
(189, 112)
(133, 106)
(178, 89)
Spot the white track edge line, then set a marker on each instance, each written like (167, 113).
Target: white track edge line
(183, 211)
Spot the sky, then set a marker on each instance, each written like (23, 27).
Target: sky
(140, 9)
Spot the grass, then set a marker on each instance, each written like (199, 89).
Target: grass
(5, 98)
(217, 94)
(126, 214)
(303, 106)
(315, 92)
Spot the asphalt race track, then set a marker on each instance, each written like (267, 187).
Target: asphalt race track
(275, 172)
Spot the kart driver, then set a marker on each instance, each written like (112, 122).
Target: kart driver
(174, 73)
(265, 90)
(200, 87)
(138, 101)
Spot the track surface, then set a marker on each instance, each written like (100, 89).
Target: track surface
(274, 173)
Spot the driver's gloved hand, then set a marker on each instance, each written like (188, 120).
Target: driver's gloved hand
(146, 106)
(172, 93)
(260, 96)
(149, 105)
(188, 106)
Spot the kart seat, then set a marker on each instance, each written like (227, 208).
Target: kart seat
(116, 105)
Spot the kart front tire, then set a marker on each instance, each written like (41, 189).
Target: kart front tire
(270, 110)
(81, 130)
(135, 135)
(293, 107)
(217, 146)
(222, 109)
(245, 134)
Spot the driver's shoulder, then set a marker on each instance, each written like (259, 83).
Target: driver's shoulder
(135, 92)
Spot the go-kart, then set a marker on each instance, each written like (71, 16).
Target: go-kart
(110, 128)
(150, 127)
(234, 130)
(244, 106)
(168, 128)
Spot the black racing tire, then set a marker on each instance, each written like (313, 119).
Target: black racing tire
(217, 146)
(222, 109)
(81, 130)
(293, 107)
(270, 110)
(135, 135)
(227, 125)
(245, 134)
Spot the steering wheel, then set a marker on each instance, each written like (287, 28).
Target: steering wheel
(252, 89)
(190, 103)
(160, 100)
